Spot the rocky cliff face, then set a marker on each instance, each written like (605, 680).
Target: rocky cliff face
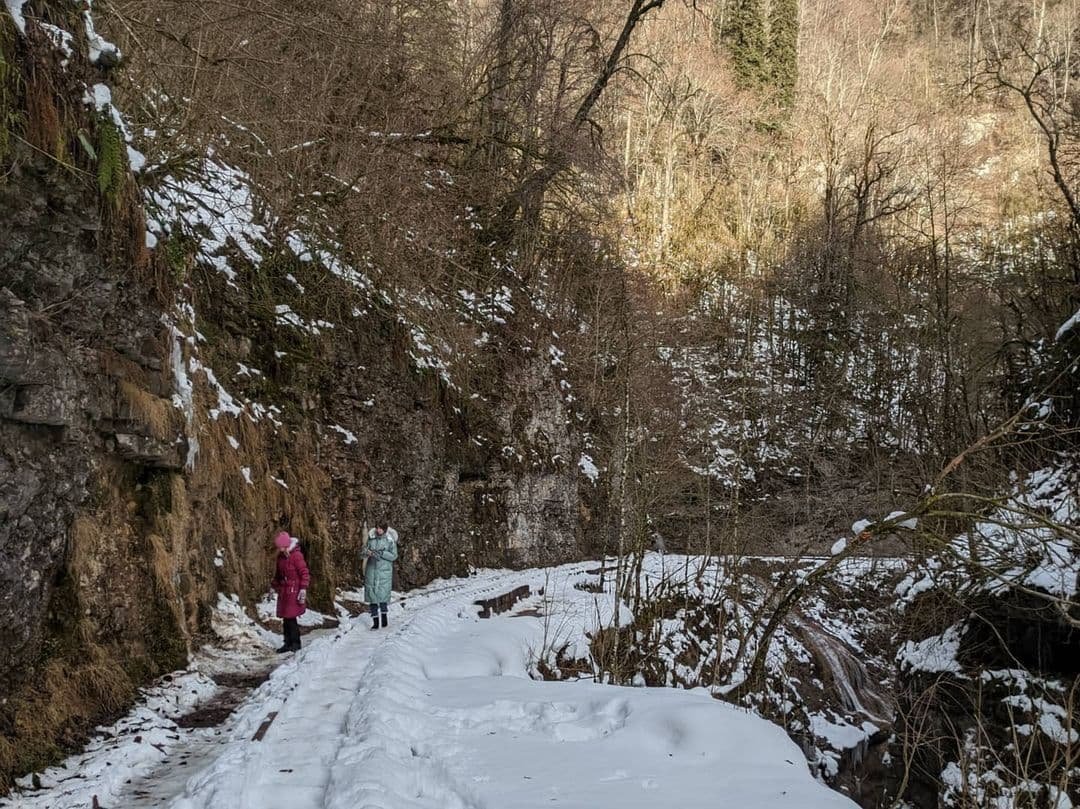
(122, 515)
(160, 419)
(73, 330)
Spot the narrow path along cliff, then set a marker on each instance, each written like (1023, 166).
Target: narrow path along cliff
(440, 710)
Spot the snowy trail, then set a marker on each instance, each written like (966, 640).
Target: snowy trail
(439, 712)
(291, 765)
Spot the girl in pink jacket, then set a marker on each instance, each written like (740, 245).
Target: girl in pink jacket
(291, 582)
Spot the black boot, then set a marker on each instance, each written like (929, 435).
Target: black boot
(384, 620)
(374, 621)
(292, 636)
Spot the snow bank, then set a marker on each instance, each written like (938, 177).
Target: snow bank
(267, 611)
(448, 716)
(1021, 549)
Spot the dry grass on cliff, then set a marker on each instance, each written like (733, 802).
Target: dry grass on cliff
(153, 412)
(242, 516)
(221, 466)
(52, 717)
(164, 566)
(82, 680)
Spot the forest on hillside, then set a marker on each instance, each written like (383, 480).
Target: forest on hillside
(858, 215)
(788, 290)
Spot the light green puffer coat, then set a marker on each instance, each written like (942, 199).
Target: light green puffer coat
(380, 566)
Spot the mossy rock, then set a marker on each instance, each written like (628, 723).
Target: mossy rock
(178, 252)
(112, 168)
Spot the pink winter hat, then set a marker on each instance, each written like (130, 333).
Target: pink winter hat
(282, 540)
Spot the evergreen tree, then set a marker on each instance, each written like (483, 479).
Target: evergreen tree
(746, 39)
(783, 53)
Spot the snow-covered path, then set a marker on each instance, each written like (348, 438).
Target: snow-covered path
(296, 761)
(439, 711)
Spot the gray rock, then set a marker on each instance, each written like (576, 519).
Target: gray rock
(149, 451)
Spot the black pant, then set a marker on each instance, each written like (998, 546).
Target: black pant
(291, 630)
(377, 608)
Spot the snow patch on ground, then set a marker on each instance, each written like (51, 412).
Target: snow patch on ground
(935, 654)
(349, 437)
(1066, 327)
(96, 44)
(267, 611)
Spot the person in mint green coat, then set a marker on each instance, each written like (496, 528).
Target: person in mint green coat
(379, 554)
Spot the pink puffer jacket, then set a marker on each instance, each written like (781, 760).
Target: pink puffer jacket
(292, 576)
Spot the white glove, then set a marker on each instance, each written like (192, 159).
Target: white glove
(302, 596)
